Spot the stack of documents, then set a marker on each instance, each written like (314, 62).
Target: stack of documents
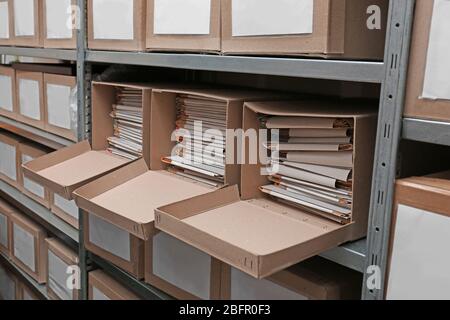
(201, 128)
(311, 161)
(128, 122)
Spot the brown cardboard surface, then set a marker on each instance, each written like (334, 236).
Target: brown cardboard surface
(39, 77)
(39, 235)
(7, 42)
(14, 278)
(64, 81)
(62, 214)
(65, 254)
(109, 287)
(36, 40)
(137, 44)
(65, 170)
(35, 151)
(14, 141)
(46, 66)
(24, 290)
(339, 30)
(8, 71)
(7, 210)
(315, 278)
(57, 43)
(415, 106)
(196, 43)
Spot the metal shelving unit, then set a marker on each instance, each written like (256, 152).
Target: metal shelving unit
(390, 74)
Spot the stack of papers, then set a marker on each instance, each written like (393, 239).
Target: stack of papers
(128, 122)
(311, 161)
(201, 133)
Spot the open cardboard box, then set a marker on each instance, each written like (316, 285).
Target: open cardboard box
(103, 287)
(313, 279)
(117, 25)
(8, 102)
(324, 28)
(30, 98)
(6, 23)
(183, 26)
(10, 159)
(5, 227)
(55, 15)
(261, 236)
(27, 23)
(59, 259)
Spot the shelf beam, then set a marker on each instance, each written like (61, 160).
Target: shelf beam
(358, 71)
(427, 131)
(40, 53)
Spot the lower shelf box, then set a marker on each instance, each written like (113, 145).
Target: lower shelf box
(8, 285)
(103, 287)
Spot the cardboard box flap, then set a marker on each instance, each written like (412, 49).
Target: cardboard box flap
(62, 251)
(257, 237)
(129, 196)
(313, 108)
(65, 170)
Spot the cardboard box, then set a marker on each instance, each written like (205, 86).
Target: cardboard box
(313, 279)
(65, 209)
(8, 103)
(27, 152)
(6, 211)
(10, 159)
(26, 293)
(8, 284)
(425, 91)
(192, 25)
(55, 16)
(6, 23)
(59, 259)
(104, 31)
(324, 28)
(28, 247)
(218, 222)
(61, 106)
(27, 23)
(419, 238)
(30, 98)
(103, 287)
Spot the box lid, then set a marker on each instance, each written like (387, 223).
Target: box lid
(259, 237)
(129, 196)
(65, 170)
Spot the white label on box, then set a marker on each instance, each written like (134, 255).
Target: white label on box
(24, 18)
(3, 230)
(98, 295)
(272, 17)
(30, 185)
(244, 287)
(7, 285)
(8, 160)
(24, 247)
(420, 261)
(58, 105)
(109, 237)
(113, 19)
(68, 206)
(437, 72)
(29, 99)
(58, 14)
(6, 93)
(4, 20)
(170, 257)
(185, 17)
(57, 277)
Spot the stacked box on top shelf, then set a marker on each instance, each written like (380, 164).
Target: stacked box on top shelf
(56, 29)
(8, 284)
(27, 23)
(103, 287)
(8, 102)
(218, 222)
(9, 159)
(6, 23)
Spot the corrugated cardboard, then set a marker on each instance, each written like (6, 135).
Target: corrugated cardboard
(8, 74)
(9, 284)
(38, 233)
(65, 14)
(216, 224)
(8, 40)
(10, 161)
(6, 211)
(138, 41)
(34, 151)
(185, 42)
(424, 203)
(68, 256)
(415, 105)
(339, 30)
(26, 293)
(67, 215)
(103, 287)
(315, 279)
(36, 77)
(36, 39)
